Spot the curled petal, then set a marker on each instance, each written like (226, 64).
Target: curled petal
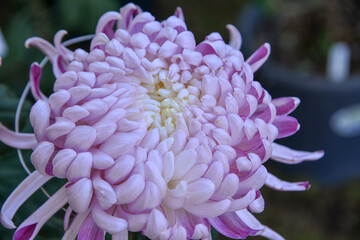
(156, 224)
(44, 46)
(108, 223)
(130, 189)
(63, 51)
(235, 37)
(209, 209)
(41, 156)
(104, 192)
(280, 185)
(17, 140)
(136, 222)
(106, 22)
(40, 118)
(80, 194)
(287, 155)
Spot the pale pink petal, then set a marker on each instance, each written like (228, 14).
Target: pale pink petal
(80, 194)
(148, 199)
(40, 118)
(183, 162)
(120, 170)
(130, 189)
(80, 166)
(106, 22)
(104, 192)
(108, 223)
(32, 225)
(72, 232)
(44, 46)
(199, 191)
(63, 51)
(136, 222)
(41, 155)
(89, 230)
(235, 37)
(209, 209)
(156, 224)
(22, 192)
(62, 161)
(17, 140)
(242, 202)
(280, 185)
(287, 155)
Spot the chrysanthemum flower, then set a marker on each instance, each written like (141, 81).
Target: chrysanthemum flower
(153, 133)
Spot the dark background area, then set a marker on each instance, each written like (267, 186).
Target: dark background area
(329, 210)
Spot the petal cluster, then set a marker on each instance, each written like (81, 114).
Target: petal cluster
(153, 133)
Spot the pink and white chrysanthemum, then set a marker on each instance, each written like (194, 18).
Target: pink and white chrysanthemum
(153, 133)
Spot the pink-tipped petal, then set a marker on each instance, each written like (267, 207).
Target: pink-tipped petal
(286, 126)
(280, 185)
(287, 155)
(259, 57)
(285, 105)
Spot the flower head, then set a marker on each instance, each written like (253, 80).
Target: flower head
(153, 133)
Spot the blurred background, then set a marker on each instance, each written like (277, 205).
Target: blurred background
(315, 56)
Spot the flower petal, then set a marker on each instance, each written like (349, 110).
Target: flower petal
(259, 57)
(280, 185)
(287, 155)
(22, 192)
(107, 222)
(32, 225)
(17, 140)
